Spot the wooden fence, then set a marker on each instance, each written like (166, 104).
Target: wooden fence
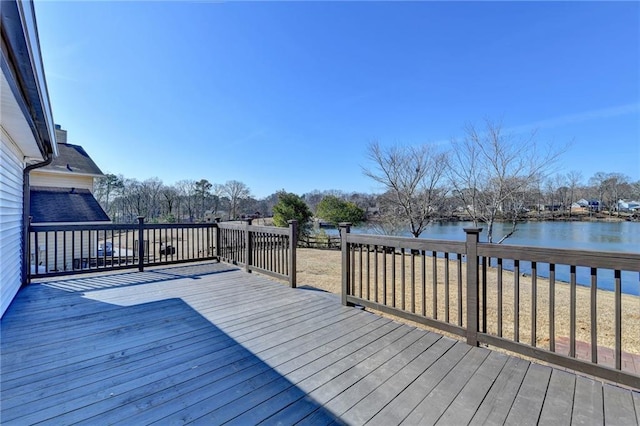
(505, 296)
(330, 242)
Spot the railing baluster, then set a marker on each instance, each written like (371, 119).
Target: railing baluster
(460, 303)
(552, 307)
(353, 269)
(36, 250)
(483, 287)
(447, 287)
(368, 269)
(534, 303)
(64, 251)
(360, 280)
(413, 282)
(434, 283)
(499, 296)
(393, 277)
(89, 249)
(618, 318)
(594, 317)
(572, 313)
(516, 300)
(81, 250)
(375, 273)
(403, 290)
(140, 243)
(384, 275)
(423, 281)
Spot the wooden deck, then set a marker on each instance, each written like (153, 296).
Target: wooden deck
(211, 344)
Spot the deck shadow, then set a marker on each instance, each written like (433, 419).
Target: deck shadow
(153, 361)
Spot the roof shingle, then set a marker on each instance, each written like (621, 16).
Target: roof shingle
(64, 205)
(73, 159)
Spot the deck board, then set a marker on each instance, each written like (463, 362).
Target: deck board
(436, 402)
(618, 406)
(528, 404)
(558, 402)
(587, 403)
(210, 344)
(462, 409)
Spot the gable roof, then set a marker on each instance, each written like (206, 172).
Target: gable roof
(65, 205)
(73, 159)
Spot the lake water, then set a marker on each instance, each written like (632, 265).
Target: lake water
(596, 236)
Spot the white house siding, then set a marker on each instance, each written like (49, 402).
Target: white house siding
(61, 180)
(11, 167)
(56, 251)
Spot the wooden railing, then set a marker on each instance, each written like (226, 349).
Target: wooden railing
(527, 300)
(268, 250)
(73, 249)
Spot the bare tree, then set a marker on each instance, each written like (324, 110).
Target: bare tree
(555, 187)
(236, 192)
(574, 177)
(491, 171)
(411, 177)
(106, 188)
(202, 188)
(186, 189)
(598, 188)
(616, 187)
(150, 193)
(634, 190)
(169, 196)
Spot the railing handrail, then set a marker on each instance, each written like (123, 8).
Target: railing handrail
(578, 257)
(582, 258)
(253, 228)
(409, 243)
(40, 227)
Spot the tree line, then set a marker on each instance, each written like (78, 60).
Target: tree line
(488, 175)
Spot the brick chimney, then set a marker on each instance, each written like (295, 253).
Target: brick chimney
(61, 135)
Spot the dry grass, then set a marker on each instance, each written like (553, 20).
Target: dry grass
(322, 269)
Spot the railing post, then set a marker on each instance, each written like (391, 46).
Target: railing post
(247, 246)
(216, 221)
(141, 243)
(345, 228)
(473, 319)
(293, 244)
(27, 259)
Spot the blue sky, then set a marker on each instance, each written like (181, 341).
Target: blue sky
(287, 95)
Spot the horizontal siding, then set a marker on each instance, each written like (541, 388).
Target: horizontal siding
(69, 246)
(11, 168)
(60, 180)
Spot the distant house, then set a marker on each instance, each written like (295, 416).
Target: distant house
(628, 206)
(593, 205)
(27, 137)
(62, 194)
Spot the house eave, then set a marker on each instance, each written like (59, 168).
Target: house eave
(68, 173)
(24, 80)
